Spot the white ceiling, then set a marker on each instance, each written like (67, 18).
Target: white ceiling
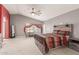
(48, 10)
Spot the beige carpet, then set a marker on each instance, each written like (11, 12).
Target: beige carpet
(20, 46)
(26, 46)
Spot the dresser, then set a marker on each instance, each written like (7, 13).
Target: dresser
(74, 44)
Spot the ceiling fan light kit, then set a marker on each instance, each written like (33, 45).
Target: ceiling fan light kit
(35, 12)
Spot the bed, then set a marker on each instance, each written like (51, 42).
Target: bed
(59, 38)
(46, 42)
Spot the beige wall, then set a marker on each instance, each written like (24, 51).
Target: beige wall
(19, 21)
(67, 18)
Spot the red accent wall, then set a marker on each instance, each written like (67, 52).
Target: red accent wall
(0, 17)
(4, 13)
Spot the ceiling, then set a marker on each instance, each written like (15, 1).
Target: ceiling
(48, 10)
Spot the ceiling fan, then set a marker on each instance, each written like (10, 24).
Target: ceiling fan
(36, 12)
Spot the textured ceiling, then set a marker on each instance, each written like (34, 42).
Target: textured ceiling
(48, 10)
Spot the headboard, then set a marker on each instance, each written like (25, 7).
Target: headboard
(65, 29)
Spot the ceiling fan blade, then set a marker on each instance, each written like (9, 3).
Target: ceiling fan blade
(36, 12)
(32, 8)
